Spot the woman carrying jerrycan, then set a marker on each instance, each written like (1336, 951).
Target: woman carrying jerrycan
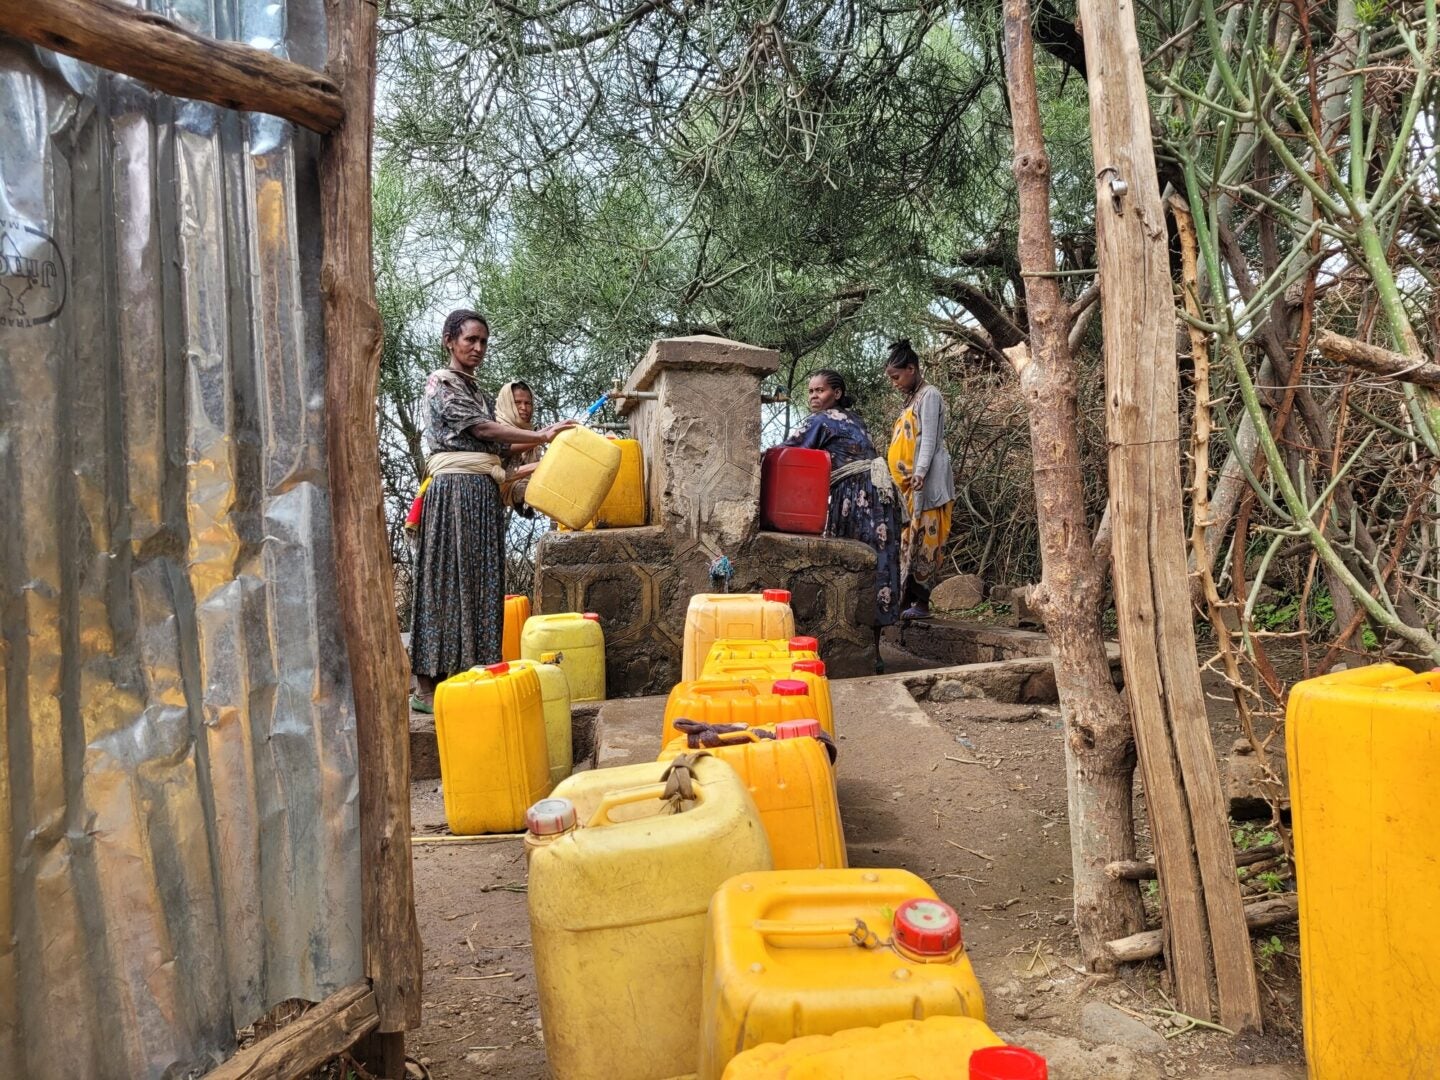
(458, 608)
(862, 497)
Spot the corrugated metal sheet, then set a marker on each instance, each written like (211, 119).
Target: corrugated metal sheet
(178, 815)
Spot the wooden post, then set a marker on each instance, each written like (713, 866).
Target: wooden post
(1100, 761)
(362, 561)
(151, 48)
(1152, 594)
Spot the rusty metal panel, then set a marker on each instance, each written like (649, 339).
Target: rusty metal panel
(178, 781)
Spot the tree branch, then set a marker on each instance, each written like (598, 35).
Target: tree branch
(1058, 36)
(1001, 328)
(1377, 360)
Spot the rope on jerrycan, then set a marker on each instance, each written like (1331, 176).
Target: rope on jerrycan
(698, 733)
(679, 779)
(710, 736)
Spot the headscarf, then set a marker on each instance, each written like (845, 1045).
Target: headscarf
(507, 413)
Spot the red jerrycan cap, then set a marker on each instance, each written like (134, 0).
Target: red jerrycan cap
(814, 667)
(779, 596)
(1007, 1063)
(804, 644)
(502, 668)
(512, 596)
(927, 927)
(591, 616)
(789, 688)
(550, 817)
(797, 729)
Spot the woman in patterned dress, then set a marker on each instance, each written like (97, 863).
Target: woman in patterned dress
(458, 606)
(920, 466)
(863, 503)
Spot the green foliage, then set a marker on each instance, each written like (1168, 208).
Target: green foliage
(795, 177)
(1271, 881)
(1278, 614)
(1248, 836)
(1268, 951)
(1372, 12)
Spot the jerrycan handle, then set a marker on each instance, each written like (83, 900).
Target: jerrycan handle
(676, 787)
(707, 687)
(1426, 680)
(855, 930)
(615, 799)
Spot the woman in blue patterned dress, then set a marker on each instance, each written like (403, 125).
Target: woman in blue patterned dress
(863, 503)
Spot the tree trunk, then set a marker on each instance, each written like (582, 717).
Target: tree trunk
(1099, 751)
(1203, 914)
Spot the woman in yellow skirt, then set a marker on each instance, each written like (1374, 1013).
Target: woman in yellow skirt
(920, 467)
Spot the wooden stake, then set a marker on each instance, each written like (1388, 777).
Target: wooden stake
(1152, 593)
(362, 562)
(151, 48)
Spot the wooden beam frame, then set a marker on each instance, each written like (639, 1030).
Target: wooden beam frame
(307, 1042)
(171, 59)
(364, 576)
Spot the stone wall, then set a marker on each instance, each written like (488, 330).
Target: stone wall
(700, 434)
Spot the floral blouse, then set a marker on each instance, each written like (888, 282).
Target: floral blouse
(454, 403)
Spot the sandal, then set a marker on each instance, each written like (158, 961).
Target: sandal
(421, 705)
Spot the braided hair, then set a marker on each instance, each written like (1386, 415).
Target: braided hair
(835, 381)
(902, 355)
(456, 320)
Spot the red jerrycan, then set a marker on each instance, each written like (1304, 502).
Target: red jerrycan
(794, 490)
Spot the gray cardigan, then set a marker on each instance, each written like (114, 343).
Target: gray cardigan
(932, 460)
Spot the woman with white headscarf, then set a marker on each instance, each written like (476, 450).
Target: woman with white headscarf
(515, 405)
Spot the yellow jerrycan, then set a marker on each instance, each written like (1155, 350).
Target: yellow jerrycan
(517, 610)
(1363, 749)
(624, 504)
(938, 1048)
(618, 890)
(490, 724)
(555, 703)
(777, 656)
(579, 647)
(810, 672)
(574, 476)
(737, 701)
(789, 773)
(790, 953)
(712, 616)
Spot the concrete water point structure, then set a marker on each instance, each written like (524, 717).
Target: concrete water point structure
(695, 410)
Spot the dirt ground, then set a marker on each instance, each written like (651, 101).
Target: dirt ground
(969, 795)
